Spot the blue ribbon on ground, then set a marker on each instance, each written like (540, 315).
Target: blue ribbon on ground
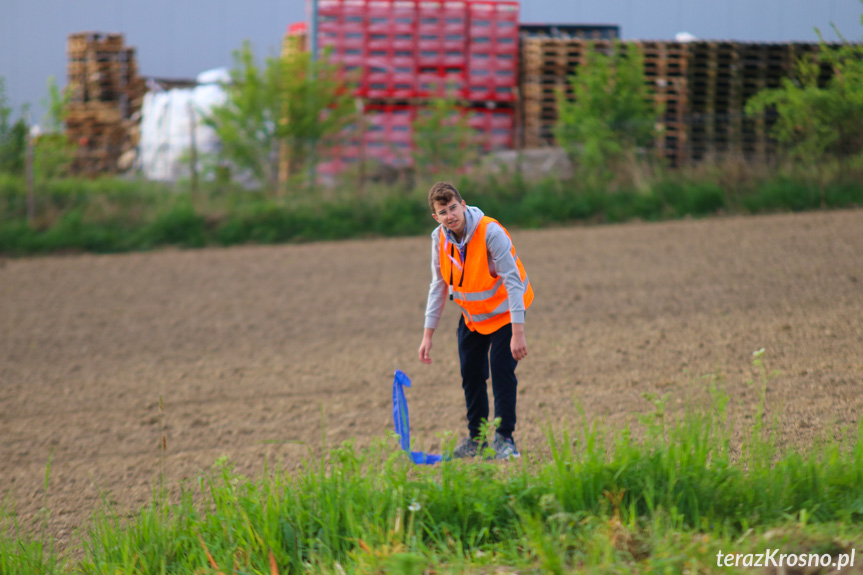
(402, 421)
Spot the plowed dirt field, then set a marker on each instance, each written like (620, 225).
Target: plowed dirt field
(257, 353)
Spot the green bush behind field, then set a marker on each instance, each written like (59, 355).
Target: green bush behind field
(113, 215)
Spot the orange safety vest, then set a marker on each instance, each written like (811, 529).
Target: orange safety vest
(483, 297)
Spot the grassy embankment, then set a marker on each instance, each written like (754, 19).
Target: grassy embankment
(117, 215)
(665, 495)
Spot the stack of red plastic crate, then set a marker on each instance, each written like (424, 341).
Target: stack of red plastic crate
(388, 134)
(492, 51)
(402, 53)
(494, 127)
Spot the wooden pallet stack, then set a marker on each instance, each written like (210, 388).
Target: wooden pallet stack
(723, 76)
(765, 66)
(295, 40)
(665, 71)
(294, 43)
(106, 95)
(547, 64)
(702, 88)
(761, 66)
(802, 50)
(715, 99)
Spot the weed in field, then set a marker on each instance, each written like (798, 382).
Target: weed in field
(20, 552)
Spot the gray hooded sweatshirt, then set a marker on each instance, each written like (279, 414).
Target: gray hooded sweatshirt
(501, 263)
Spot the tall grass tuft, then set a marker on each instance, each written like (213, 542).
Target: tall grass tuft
(23, 554)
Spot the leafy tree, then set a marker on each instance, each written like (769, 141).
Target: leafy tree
(317, 105)
(13, 136)
(290, 101)
(246, 122)
(611, 114)
(53, 152)
(815, 121)
(443, 140)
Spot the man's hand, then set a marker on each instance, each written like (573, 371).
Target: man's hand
(518, 345)
(426, 345)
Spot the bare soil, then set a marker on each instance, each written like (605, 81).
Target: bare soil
(258, 353)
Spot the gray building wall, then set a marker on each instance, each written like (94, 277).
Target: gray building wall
(180, 38)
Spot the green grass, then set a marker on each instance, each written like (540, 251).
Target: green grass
(21, 554)
(663, 495)
(118, 215)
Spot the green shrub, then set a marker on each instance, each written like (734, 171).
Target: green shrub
(113, 215)
(689, 198)
(610, 116)
(179, 226)
(817, 120)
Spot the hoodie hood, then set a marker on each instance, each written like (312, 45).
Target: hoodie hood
(472, 217)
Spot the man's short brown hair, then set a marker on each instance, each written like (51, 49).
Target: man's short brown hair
(443, 193)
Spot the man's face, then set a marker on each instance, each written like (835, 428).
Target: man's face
(451, 215)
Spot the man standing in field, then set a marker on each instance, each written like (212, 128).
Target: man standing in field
(473, 259)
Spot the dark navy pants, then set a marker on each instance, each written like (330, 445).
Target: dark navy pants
(473, 352)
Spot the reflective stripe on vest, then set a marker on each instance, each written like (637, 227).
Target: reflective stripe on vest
(482, 297)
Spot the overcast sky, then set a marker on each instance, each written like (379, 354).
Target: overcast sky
(180, 38)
